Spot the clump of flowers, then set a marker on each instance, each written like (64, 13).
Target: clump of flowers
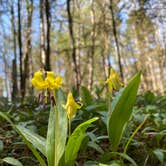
(47, 82)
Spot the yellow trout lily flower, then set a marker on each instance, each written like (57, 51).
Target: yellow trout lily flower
(38, 82)
(52, 81)
(71, 106)
(113, 81)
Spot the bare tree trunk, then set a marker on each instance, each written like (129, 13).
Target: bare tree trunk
(91, 55)
(78, 41)
(20, 48)
(7, 81)
(105, 42)
(116, 38)
(27, 52)
(70, 23)
(14, 62)
(47, 11)
(42, 36)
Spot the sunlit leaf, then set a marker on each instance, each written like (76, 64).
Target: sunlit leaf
(12, 161)
(75, 140)
(57, 131)
(38, 141)
(121, 111)
(30, 146)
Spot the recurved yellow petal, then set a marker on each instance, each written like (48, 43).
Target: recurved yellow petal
(71, 106)
(53, 81)
(113, 81)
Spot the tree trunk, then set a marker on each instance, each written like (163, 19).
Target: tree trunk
(7, 81)
(105, 44)
(42, 36)
(20, 48)
(91, 55)
(14, 62)
(116, 38)
(71, 33)
(47, 11)
(27, 47)
(78, 41)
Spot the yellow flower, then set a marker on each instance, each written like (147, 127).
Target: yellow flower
(38, 82)
(71, 106)
(50, 82)
(113, 81)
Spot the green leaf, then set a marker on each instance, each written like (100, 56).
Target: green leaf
(159, 154)
(34, 151)
(96, 106)
(86, 96)
(74, 142)
(57, 131)
(38, 141)
(113, 155)
(115, 164)
(95, 146)
(50, 143)
(1, 146)
(90, 163)
(12, 161)
(60, 141)
(121, 111)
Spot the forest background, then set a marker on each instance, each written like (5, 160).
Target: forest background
(80, 40)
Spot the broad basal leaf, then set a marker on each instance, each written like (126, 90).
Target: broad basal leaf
(57, 131)
(121, 111)
(38, 141)
(75, 140)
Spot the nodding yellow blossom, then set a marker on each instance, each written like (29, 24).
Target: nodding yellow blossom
(38, 82)
(51, 82)
(113, 81)
(71, 106)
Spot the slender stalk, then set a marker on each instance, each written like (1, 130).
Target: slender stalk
(133, 134)
(69, 127)
(109, 98)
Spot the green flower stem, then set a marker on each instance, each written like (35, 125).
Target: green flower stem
(69, 127)
(109, 98)
(134, 133)
(56, 133)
